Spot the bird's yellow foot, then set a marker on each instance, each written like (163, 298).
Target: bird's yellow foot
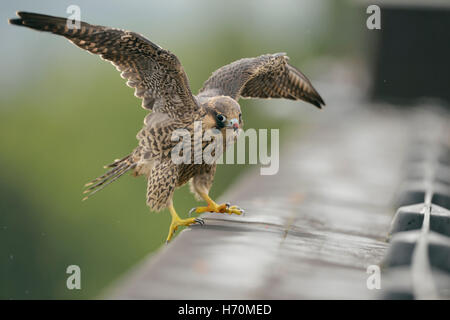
(177, 222)
(219, 208)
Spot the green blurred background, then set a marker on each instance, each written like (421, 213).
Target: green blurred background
(65, 113)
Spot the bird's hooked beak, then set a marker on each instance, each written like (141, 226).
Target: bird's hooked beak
(233, 123)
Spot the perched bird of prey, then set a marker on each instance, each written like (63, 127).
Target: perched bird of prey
(160, 81)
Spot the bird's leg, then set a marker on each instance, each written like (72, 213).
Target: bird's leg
(214, 207)
(177, 221)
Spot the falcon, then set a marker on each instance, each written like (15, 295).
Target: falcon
(159, 80)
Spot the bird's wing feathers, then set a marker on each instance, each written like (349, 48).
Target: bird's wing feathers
(266, 76)
(155, 73)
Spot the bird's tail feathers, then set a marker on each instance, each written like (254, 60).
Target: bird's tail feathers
(119, 167)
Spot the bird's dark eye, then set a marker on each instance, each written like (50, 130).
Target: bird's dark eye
(221, 118)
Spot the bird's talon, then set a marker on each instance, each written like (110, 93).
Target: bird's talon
(214, 207)
(177, 222)
(192, 210)
(236, 210)
(232, 210)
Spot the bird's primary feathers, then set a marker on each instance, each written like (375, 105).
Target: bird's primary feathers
(160, 81)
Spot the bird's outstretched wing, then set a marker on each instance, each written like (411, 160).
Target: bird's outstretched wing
(155, 73)
(266, 76)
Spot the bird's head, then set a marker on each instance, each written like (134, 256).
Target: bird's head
(224, 113)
